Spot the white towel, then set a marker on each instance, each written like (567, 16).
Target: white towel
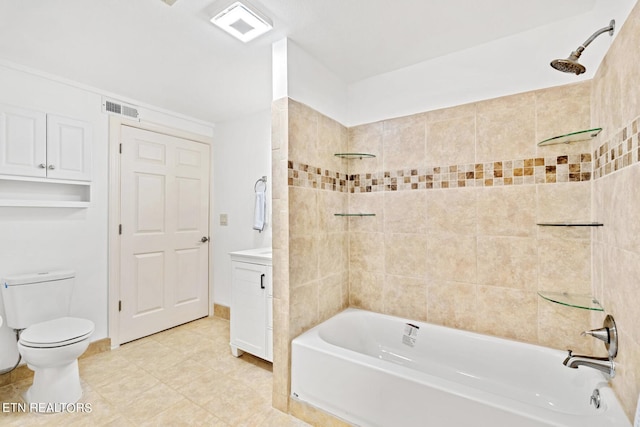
(260, 211)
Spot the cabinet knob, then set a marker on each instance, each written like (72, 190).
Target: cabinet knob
(42, 166)
(52, 167)
(204, 239)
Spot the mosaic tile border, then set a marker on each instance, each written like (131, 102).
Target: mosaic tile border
(547, 170)
(620, 151)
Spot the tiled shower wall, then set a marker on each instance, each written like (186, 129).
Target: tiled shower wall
(615, 104)
(310, 243)
(457, 195)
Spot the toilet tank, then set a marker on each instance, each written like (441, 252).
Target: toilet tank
(36, 297)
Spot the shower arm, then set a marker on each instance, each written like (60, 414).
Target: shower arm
(587, 42)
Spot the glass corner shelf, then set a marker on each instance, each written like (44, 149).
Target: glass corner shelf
(585, 302)
(570, 224)
(354, 214)
(582, 135)
(354, 155)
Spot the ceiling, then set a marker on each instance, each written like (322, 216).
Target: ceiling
(172, 57)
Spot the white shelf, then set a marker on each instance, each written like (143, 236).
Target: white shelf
(24, 191)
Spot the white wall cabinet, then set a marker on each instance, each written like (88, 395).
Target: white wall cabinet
(42, 145)
(251, 303)
(45, 160)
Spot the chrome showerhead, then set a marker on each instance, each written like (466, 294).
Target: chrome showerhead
(571, 64)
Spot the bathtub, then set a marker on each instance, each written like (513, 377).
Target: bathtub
(375, 370)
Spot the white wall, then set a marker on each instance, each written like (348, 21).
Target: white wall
(242, 154)
(41, 239)
(300, 76)
(510, 65)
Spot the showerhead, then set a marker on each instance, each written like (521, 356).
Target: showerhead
(571, 64)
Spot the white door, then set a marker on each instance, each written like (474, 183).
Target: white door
(23, 141)
(68, 148)
(164, 249)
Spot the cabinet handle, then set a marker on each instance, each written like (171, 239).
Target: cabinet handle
(52, 167)
(42, 166)
(262, 281)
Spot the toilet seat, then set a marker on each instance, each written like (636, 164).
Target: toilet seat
(57, 333)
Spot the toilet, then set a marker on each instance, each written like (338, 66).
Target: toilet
(51, 341)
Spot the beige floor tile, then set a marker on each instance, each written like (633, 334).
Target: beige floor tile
(185, 376)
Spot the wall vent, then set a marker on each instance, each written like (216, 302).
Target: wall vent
(120, 109)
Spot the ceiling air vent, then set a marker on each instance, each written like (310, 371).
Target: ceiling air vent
(119, 109)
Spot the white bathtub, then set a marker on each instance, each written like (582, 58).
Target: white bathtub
(356, 367)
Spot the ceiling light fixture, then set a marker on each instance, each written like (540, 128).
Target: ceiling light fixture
(242, 22)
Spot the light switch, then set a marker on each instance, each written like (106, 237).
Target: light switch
(224, 219)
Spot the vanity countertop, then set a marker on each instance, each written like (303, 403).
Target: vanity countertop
(258, 254)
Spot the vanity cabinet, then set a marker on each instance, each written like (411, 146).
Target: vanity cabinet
(36, 144)
(251, 303)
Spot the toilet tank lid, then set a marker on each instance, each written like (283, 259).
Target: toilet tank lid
(28, 279)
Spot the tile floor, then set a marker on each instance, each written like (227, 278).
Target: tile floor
(179, 377)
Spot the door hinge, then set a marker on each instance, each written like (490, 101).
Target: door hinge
(121, 148)
(119, 305)
(119, 228)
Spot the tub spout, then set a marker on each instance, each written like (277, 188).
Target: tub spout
(602, 364)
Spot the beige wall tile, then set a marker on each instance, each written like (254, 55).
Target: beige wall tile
(303, 134)
(452, 141)
(507, 211)
(405, 297)
(366, 138)
(366, 252)
(508, 313)
(331, 299)
(508, 262)
(332, 139)
(562, 110)
(303, 260)
(452, 211)
(333, 253)
(303, 211)
(564, 265)
(451, 258)
(404, 254)
(506, 128)
(405, 212)
(304, 308)
(366, 203)
(365, 289)
(329, 204)
(404, 143)
(565, 202)
(452, 304)
(560, 327)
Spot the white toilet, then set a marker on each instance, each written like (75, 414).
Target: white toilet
(51, 342)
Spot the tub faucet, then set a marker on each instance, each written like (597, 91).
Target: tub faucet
(602, 364)
(609, 334)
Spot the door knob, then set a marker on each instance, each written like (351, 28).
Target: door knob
(204, 239)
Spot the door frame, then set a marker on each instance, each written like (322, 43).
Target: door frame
(115, 124)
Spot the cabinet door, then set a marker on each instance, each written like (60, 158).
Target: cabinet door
(22, 141)
(68, 148)
(248, 308)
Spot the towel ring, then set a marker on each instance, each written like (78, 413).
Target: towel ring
(262, 180)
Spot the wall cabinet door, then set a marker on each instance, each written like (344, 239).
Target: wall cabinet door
(68, 148)
(44, 145)
(249, 309)
(22, 142)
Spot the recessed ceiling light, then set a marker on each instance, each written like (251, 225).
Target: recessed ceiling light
(242, 22)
